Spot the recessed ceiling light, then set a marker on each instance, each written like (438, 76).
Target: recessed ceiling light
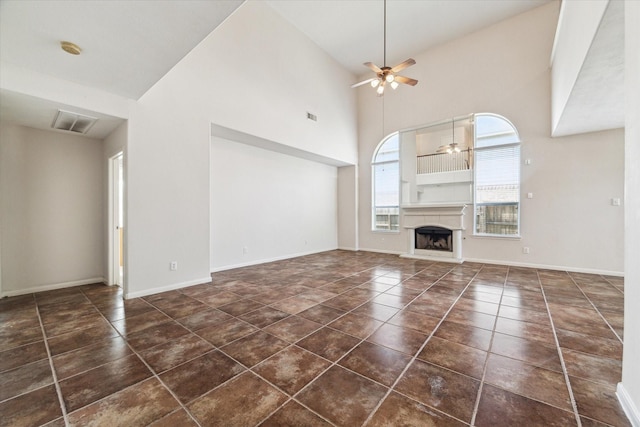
(71, 48)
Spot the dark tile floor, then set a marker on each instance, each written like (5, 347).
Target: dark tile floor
(337, 338)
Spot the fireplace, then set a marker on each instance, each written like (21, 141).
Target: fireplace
(434, 238)
(434, 232)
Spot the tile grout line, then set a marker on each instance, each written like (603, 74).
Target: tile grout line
(476, 406)
(611, 284)
(597, 310)
(336, 362)
(415, 356)
(291, 398)
(54, 375)
(153, 372)
(574, 404)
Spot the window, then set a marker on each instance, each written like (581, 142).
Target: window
(497, 176)
(386, 185)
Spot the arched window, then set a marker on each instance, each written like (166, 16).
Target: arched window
(497, 176)
(385, 170)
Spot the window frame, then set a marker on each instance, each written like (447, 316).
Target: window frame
(375, 163)
(477, 149)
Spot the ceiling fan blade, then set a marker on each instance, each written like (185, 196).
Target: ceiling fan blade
(406, 80)
(373, 67)
(364, 82)
(409, 62)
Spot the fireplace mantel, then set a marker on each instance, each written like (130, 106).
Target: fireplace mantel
(443, 215)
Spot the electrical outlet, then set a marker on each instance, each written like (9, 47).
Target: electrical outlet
(173, 265)
(245, 250)
(615, 201)
(525, 250)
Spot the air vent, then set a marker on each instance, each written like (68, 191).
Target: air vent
(73, 122)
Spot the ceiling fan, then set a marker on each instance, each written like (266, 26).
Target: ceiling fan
(453, 146)
(449, 148)
(387, 75)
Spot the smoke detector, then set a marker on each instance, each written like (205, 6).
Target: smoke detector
(73, 122)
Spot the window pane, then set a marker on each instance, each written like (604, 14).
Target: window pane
(497, 177)
(386, 185)
(387, 180)
(492, 130)
(496, 218)
(388, 151)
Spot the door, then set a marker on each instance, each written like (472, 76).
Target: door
(116, 220)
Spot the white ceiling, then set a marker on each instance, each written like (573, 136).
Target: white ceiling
(129, 45)
(352, 31)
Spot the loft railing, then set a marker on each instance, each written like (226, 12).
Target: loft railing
(444, 162)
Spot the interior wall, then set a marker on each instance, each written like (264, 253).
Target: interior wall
(267, 206)
(252, 75)
(51, 210)
(573, 179)
(348, 208)
(630, 392)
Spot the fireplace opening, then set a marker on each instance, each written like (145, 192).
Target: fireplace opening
(434, 239)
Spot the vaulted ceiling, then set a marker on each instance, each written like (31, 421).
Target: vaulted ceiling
(129, 45)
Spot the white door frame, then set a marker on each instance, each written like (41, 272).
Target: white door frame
(113, 252)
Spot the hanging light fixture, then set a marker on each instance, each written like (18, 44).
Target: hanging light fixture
(386, 74)
(453, 147)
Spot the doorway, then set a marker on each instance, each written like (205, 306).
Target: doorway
(116, 220)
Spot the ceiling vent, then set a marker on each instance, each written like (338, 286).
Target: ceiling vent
(73, 122)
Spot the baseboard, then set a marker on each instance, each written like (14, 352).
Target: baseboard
(52, 287)
(629, 407)
(172, 287)
(381, 251)
(547, 267)
(344, 248)
(266, 260)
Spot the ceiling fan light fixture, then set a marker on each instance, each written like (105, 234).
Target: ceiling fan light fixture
(387, 74)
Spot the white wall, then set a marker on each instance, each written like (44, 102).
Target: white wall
(630, 389)
(51, 210)
(269, 205)
(573, 178)
(255, 74)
